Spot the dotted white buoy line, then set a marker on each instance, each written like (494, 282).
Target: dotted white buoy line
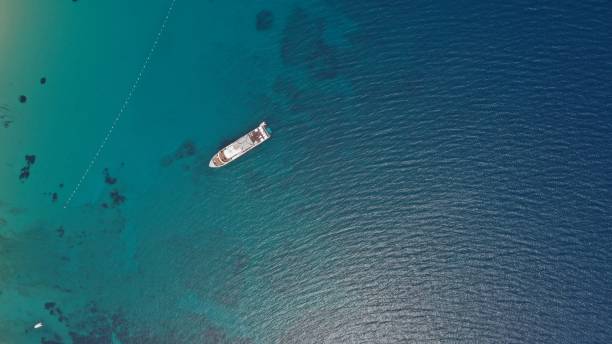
(135, 84)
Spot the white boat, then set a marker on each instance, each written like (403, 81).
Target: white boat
(239, 147)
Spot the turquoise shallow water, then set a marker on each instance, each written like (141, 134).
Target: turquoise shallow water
(437, 173)
(177, 255)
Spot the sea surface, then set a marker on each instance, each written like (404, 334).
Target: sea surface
(439, 171)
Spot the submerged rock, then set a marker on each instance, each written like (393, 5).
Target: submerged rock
(107, 177)
(25, 171)
(117, 198)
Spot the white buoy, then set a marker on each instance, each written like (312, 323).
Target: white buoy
(38, 325)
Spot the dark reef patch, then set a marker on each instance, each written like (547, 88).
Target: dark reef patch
(117, 198)
(287, 88)
(98, 327)
(92, 307)
(43, 80)
(264, 20)
(54, 196)
(107, 177)
(23, 99)
(60, 231)
(217, 335)
(25, 171)
(118, 323)
(172, 332)
(185, 150)
(55, 311)
(24, 174)
(30, 159)
(102, 335)
(303, 45)
(306, 100)
(55, 340)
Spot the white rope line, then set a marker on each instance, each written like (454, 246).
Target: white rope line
(135, 84)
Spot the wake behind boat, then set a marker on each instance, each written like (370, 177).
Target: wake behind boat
(239, 147)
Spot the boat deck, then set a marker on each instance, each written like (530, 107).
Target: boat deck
(241, 146)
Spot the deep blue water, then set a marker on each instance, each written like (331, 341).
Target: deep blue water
(438, 172)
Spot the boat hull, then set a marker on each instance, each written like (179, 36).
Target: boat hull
(241, 146)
